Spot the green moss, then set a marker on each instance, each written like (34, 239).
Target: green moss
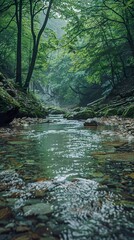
(110, 112)
(120, 111)
(11, 96)
(6, 101)
(68, 115)
(55, 110)
(85, 114)
(29, 106)
(129, 112)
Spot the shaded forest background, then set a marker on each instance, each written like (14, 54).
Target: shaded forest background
(70, 53)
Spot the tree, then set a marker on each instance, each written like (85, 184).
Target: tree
(105, 29)
(26, 11)
(18, 16)
(36, 37)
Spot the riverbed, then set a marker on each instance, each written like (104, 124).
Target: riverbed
(61, 180)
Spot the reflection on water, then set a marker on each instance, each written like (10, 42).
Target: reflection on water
(78, 171)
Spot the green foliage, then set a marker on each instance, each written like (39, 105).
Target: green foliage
(6, 100)
(110, 112)
(84, 114)
(97, 46)
(129, 112)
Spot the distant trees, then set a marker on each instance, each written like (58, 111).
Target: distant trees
(23, 12)
(101, 35)
(99, 43)
(97, 47)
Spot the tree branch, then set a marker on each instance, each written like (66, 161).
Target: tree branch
(4, 28)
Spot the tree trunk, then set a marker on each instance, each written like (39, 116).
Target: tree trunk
(36, 41)
(31, 68)
(19, 39)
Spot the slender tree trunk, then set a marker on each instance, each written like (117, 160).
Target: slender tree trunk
(19, 39)
(36, 41)
(31, 68)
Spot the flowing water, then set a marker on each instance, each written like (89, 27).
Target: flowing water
(60, 180)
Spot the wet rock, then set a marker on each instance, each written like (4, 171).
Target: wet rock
(43, 218)
(25, 121)
(46, 237)
(91, 123)
(131, 175)
(124, 148)
(40, 193)
(10, 226)
(2, 202)
(20, 229)
(41, 229)
(84, 114)
(37, 209)
(3, 187)
(5, 213)
(4, 230)
(28, 236)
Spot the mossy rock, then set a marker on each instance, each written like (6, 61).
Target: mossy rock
(129, 112)
(57, 111)
(7, 101)
(85, 114)
(110, 112)
(1, 77)
(77, 109)
(69, 115)
(120, 111)
(30, 106)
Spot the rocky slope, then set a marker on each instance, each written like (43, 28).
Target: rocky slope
(12, 98)
(119, 102)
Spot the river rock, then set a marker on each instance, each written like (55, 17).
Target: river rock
(4, 230)
(28, 236)
(37, 209)
(5, 213)
(40, 193)
(3, 187)
(21, 229)
(2, 202)
(10, 226)
(41, 229)
(90, 122)
(48, 238)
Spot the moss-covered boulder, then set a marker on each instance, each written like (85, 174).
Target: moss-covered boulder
(84, 114)
(30, 106)
(9, 106)
(11, 97)
(110, 112)
(120, 111)
(7, 101)
(56, 110)
(129, 111)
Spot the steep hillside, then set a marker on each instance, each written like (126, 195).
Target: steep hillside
(12, 98)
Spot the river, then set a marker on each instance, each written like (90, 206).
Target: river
(63, 181)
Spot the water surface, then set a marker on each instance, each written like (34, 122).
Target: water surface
(80, 172)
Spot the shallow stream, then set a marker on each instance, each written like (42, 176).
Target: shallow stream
(61, 180)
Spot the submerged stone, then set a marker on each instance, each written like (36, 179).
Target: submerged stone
(28, 236)
(21, 229)
(5, 213)
(38, 209)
